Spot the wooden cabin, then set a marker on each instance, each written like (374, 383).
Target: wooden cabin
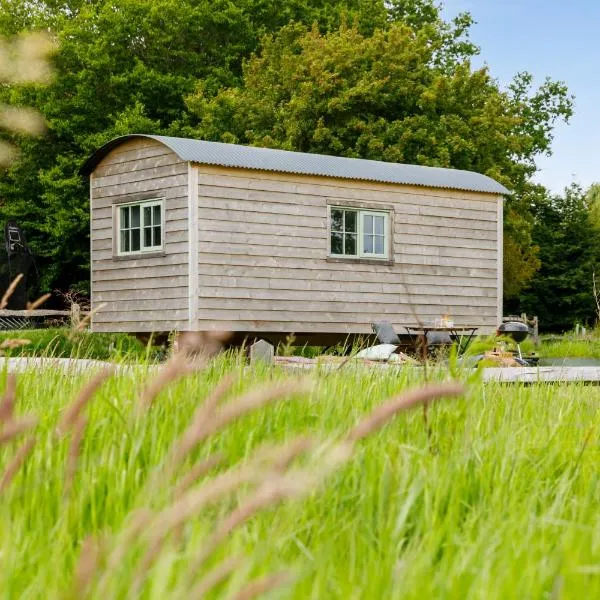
(189, 235)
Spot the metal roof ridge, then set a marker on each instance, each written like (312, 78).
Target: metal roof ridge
(302, 163)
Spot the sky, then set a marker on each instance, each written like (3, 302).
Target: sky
(555, 38)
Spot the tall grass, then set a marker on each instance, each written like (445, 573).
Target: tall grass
(499, 500)
(68, 343)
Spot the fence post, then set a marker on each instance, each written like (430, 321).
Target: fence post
(261, 351)
(75, 314)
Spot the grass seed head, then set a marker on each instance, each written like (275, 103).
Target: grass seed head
(273, 490)
(88, 318)
(16, 463)
(196, 472)
(251, 401)
(278, 458)
(86, 567)
(31, 306)
(258, 587)
(7, 405)
(216, 576)
(10, 291)
(191, 437)
(12, 343)
(200, 345)
(136, 522)
(74, 410)
(14, 428)
(74, 452)
(384, 413)
(176, 368)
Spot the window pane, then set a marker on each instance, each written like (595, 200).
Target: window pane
(368, 223)
(147, 216)
(135, 240)
(124, 217)
(337, 220)
(350, 244)
(379, 225)
(147, 237)
(135, 216)
(124, 241)
(379, 239)
(368, 241)
(337, 243)
(156, 215)
(350, 218)
(157, 241)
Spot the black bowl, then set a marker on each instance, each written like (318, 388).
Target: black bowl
(514, 329)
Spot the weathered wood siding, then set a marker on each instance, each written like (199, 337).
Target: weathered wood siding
(263, 255)
(141, 293)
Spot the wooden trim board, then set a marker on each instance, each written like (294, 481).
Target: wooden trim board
(193, 286)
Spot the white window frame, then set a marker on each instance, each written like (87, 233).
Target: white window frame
(151, 202)
(360, 213)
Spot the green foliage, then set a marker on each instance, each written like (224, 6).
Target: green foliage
(569, 346)
(124, 67)
(64, 343)
(402, 95)
(372, 79)
(521, 254)
(561, 292)
(592, 198)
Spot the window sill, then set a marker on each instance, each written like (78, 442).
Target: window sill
(359, 260)
(139, 255)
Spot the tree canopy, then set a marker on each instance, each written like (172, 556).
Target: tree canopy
(399, 94)
(122, 66)
(363, 78)
(561, 292)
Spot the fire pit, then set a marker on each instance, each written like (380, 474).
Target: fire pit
(518, 332)
(515, 330)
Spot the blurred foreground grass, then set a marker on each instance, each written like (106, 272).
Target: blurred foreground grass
(500, 500)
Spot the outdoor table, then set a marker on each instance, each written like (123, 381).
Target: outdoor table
(462, 336)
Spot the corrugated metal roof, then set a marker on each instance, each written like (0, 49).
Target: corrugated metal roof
(268, 159)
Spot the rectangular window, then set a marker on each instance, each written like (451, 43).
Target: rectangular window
(359, 233)
(140, 227)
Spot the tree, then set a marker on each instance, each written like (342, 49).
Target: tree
(399, 94)
(561, 292)
(124, 66)
(592, 198)
(376, 79)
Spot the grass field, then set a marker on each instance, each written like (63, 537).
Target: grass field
(61, 342)
(500, 499)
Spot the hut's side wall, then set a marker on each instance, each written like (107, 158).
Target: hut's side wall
(263, 255)
(141, 294)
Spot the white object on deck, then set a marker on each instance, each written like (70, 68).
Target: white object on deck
(379, 352)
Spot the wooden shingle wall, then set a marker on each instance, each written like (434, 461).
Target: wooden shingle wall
(147, 293)
(263, 255)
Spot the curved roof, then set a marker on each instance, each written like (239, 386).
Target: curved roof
(283, 161)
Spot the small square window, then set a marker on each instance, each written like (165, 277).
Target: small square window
(359, 233)
(337, 220)
(139, 227)
(337, 243)
(343, 232)
(350, 220)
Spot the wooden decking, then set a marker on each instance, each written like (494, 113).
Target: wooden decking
(525, 375)
(542, 374)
